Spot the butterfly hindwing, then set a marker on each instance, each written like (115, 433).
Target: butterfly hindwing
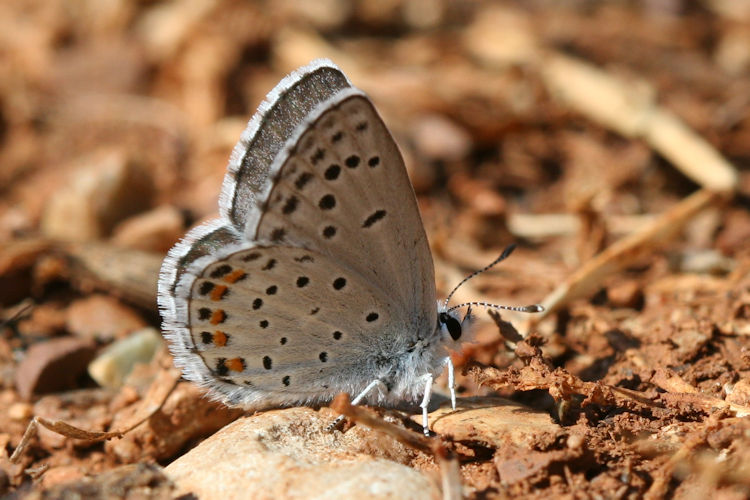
(280, 320)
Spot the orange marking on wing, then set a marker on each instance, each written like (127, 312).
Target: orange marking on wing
(235, 276)
(220, 338)
(235, 364)
(218, 316)
(218, 292)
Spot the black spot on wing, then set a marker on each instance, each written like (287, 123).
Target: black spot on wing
(251, 256)
(269, 265)
(373, 218)
(220, 271)
(352, 161)
(290, 205)
(327, 202)
(320, 153)
(332, 172)
(302, 180)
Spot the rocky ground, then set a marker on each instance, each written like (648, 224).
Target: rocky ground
(609, 140)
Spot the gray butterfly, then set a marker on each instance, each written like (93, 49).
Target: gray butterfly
(317, 278)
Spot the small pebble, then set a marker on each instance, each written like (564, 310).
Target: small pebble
(61, 475)
(4, 482)
(438, 138)
(739, 393)
(102, 318)
(111, 367)
(625, 294)
(108, 188)
(53, 366)
(20, 411)
(156, 230)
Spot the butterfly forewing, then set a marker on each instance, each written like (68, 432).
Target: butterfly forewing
(285, 107)
(344, 192)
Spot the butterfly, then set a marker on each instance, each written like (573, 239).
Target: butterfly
(317, 277)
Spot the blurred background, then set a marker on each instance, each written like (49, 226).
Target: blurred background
(131, 108)
(564, 126)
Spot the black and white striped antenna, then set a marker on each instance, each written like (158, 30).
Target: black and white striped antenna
(533, 308)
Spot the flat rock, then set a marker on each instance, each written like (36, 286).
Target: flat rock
(495, 422)
(288, 454)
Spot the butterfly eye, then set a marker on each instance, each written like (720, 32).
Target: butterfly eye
(452, 324)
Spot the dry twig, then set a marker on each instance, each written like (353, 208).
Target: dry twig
(449, 471)
(161, 389)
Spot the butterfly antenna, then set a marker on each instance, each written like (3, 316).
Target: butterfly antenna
(17, 315)
(508, 250)
(533, 308)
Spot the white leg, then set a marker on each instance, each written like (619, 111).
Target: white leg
(426, 403)
(367, 390)
(375, 383)
(451, 382)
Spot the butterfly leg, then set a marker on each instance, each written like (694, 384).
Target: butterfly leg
(375, 383)
(426, 402)
(468, 319)
(451, 381)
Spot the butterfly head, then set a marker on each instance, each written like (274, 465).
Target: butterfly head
(451, 327)
(448, 322)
